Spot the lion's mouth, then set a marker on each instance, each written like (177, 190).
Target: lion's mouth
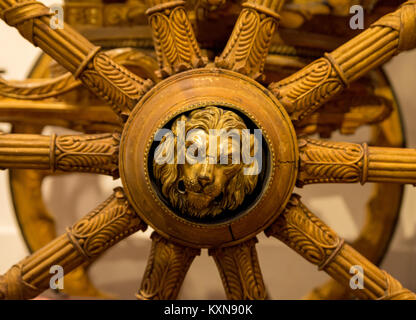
(198, 195)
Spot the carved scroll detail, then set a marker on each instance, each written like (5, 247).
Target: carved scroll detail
(109, 223)
(166, 269)
(248, 46)
(324, 161)
(174, 39)
(240, 271)
(299, 229)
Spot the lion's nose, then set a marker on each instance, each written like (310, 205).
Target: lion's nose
(205, 175)
(204, 180)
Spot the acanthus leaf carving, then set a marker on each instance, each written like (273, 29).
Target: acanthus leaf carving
(114, 83)
(240, 271)
(109, 223)
(303, 92)
(324, 161)
(112, 221)
(87, 153)
(305, 233)
(248, 46)
(166, 269)
(174, 39)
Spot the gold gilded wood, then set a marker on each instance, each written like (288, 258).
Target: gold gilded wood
(205, 189)
(166, 269)
(383, 208)
(342, 162)
(180, 96)
(346, 114)
(240, 271)
(174, 39)
(68, 115)
(96, 70)
(40, 88)
(200, 89)
(248, 46)
(308, 89)
(303, 232)
(83, 153)
(109, 223)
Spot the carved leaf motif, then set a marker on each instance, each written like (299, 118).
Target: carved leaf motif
(106, 225)
(304, 233)
(247, 48)
(180, 28)
(323, 161)
(240, 271)
(230, 276)
(250, 270)
(306, 90)
(249, 23)
(41, 89)
(166, 269)
(162, 35)
(105, 90)
(175, 44)
(261, 44)
(90, 153)
(124, 80)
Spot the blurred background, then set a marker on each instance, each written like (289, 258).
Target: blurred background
(287, 275)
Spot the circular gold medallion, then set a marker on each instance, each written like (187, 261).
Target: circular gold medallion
(208, 158)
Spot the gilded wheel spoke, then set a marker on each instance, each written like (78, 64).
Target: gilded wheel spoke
(35, 89)
(240, 271)
(108, 80)
(311, 87)
(166, 269)
(43, 88)
(95, 153)
(173, 37)
(58, 113)
(109, 223)
(248, 46)
(299, 229)
(343, 162)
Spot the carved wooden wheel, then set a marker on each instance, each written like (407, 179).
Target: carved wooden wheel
(192, 203)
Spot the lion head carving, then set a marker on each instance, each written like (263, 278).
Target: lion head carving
(209, 162)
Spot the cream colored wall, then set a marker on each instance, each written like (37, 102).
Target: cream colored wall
(287, 275)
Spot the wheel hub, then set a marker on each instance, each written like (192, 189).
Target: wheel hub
(191, 196)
